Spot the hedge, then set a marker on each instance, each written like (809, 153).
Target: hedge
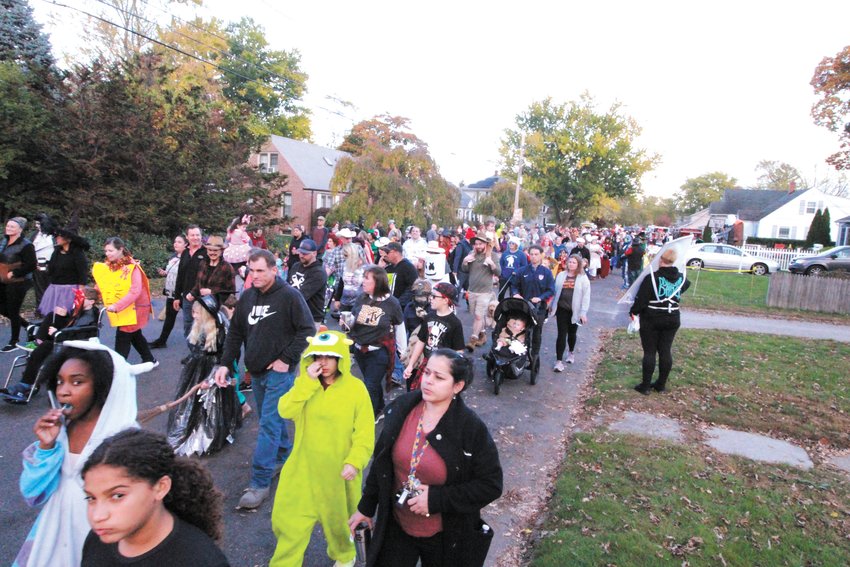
(153, 251)
(771, 242)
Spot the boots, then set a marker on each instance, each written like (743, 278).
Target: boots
(482, 339)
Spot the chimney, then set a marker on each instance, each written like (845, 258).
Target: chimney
(792, 186)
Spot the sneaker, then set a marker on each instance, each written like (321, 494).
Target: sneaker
(157, 344)
(9, 347)
(28, 346)
(18, 393)
(243, 387)
(559, 366)
(252, 498)
(346, 564)
(571, 358)
(643, 389)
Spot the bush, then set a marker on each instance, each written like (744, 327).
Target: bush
(771, 242)
(151, 250)
(279, 243)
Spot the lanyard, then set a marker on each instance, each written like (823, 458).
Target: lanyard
(416, 453)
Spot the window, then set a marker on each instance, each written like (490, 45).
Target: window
(268, 162)
(286, 205)
(326, 200)
(784, 232)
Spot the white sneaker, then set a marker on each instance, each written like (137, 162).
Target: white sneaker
(571, 358)
(559, 366)
(346, 564)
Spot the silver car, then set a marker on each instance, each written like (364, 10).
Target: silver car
(725, 257)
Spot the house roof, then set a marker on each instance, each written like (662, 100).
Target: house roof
(697, 220)
(844, 220)
(486, 183)
(752, 204)
(313, 164)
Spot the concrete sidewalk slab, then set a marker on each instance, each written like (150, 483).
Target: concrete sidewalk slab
(647, 425)
(757, 447)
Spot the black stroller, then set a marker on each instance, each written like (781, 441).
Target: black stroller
(508, 362)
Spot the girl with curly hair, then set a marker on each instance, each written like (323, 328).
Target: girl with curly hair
(149, 506)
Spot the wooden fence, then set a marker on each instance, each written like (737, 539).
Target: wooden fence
(809, 293)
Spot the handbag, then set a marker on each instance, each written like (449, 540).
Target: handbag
(478, 544)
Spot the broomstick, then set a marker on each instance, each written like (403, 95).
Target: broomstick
(145, 416)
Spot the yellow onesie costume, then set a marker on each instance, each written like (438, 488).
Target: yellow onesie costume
(333, 426)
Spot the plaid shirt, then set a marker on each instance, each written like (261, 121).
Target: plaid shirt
(334, 260)
(219, 278)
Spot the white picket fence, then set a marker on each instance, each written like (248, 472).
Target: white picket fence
(782, 256)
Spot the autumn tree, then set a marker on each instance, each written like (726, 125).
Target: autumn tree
(696, 193)
(575, 156)
(779, 175)
(391, 175)
(500, 202)
(831, 82)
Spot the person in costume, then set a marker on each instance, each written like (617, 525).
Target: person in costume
(205, 422)
(98, 390)
(334, 437)
(129, 290)
(67, 270)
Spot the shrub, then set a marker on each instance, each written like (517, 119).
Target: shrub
(151, 250)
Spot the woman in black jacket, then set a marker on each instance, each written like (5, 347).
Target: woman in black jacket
(435, 467)
(657, 304)
(17, 255)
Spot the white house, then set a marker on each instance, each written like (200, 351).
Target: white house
(780, 214)
(793, 218)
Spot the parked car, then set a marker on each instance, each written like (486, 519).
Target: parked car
(832, 260)
(726, 257)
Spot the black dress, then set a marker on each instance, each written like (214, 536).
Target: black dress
(207, 420)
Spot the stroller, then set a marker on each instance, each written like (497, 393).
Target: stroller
(508, 362)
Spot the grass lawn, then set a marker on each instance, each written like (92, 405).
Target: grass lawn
(628, 501)
(782, 386)
(742, 293)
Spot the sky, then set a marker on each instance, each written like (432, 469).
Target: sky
(716, 86)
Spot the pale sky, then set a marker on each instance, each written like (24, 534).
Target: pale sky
(718, 86)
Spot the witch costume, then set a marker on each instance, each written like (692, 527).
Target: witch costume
(206, 421)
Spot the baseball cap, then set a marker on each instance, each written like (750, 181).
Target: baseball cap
(307, 246)
(392, 246)
(447, 290)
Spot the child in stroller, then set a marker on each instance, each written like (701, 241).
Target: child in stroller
(511, 351)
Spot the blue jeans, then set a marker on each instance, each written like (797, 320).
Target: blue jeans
(373, 366)
(273, 442)
(186, 307)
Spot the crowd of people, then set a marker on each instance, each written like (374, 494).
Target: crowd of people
(395, 296)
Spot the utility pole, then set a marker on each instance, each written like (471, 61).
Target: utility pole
(517, 211)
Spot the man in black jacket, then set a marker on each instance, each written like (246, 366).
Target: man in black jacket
(187, 273)
(272, 322)
(308, 276)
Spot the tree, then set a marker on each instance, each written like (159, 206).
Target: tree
(779, 175)
(707, 233)
(831, 82)
(500, 202)
(696, 193)
(575, 156)
(270, 83)
(391, 175)
(21, 41)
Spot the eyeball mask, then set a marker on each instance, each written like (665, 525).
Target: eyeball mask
(329, 343)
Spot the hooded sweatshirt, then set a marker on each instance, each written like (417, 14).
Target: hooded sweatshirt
(662, 300)
(272, 325)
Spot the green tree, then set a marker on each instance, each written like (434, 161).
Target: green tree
(575, 156)
(814, 236)
(706, 233)
(269, 82)
(21, 40)
(697, 193)
(779, 175)
(500, 202)
(391, 175)
(831, 82)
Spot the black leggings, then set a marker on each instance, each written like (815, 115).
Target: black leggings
(566, 332)
(402, 550)
(168, 324)
(11, 298)
(137, 339)
(656, 337)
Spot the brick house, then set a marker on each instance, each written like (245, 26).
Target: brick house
(309, 169)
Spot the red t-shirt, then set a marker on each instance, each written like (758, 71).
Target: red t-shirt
(430, 471)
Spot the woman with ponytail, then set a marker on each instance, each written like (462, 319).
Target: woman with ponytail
(150, 507)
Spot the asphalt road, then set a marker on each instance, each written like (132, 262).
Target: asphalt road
(529, 424)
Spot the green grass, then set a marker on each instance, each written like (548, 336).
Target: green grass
(627, 501)
(742, 293)
(783, 386)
